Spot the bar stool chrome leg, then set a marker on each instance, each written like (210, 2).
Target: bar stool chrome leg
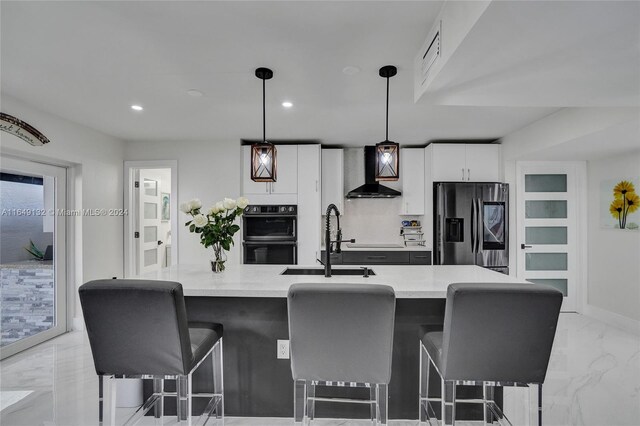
(381, 402)
(218, 379)
(448, 402)
(107, 400)
(423, 387)
(373, 407)
(158, 388)
(183, 391)
(488, 398)
(299, 400)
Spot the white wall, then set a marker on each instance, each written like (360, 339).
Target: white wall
(614, 255)
(602, 137)
(96, 162)
(207, 170)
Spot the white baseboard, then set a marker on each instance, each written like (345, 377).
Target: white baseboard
(78, 324)
(616, 320)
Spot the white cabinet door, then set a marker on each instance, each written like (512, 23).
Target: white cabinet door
(332, 179)
(287, 172)
(412, 175)
(449, 163)
(483, 162)
(250, 187)
(308, 204)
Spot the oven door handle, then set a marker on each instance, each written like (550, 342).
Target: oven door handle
(269, 215)
(270, 243)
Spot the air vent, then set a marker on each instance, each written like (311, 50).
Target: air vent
(431, 53)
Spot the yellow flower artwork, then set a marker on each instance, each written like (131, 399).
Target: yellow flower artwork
(621, 198)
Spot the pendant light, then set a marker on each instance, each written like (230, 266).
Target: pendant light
(263, 154)
(387, 152)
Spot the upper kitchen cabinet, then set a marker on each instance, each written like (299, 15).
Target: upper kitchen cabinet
(465, 162)
(412, 174)
(309, 199)
(287, 163)
(284, 190)
(332, 179)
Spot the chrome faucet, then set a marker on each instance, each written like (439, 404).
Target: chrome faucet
(327, 239)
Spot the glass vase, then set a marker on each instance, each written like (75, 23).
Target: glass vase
(219, 258)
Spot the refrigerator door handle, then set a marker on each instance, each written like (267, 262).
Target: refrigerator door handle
(472, 227)
(480, 227)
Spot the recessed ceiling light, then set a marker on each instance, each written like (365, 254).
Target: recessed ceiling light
(350, 70)
(136, 107)
(195, 93)
(287, 104)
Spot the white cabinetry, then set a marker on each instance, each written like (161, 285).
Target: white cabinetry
(449, 162)
(287, 162)
(308, 186)
(465, 162)
(412, 174)
(284, 190)
(332, 179)
(483, 162)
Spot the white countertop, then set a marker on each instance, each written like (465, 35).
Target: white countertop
(408, 281)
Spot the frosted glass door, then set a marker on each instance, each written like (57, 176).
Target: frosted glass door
(149, 245)
(547, 226)
(32, 254)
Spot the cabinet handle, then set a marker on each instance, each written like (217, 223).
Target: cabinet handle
(376, 257)
(468, 174)
(419, 257)
(272, 190)
(462, 173)
(406, 207)
(266, 187)
(316, 185)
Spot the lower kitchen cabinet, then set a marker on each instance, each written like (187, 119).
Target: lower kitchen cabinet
(379, 257)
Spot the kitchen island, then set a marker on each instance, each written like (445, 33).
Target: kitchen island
(250, 301)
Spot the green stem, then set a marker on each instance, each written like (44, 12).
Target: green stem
(619, 220)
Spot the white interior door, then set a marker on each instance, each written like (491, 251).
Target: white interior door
(33, 282)
(149, 204)
(548, 227)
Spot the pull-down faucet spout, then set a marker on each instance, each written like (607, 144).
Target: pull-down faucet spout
(327, 238)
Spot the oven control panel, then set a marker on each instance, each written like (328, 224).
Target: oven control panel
(257, 210)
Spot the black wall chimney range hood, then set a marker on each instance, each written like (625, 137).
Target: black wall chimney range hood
(371, 187)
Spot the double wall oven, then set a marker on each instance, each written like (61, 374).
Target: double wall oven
(270, 234)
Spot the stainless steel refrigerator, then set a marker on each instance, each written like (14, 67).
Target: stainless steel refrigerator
(471, 224)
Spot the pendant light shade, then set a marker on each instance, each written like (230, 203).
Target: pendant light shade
(387, 152)
(263, 154)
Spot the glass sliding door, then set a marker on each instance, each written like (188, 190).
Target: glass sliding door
(32, 254)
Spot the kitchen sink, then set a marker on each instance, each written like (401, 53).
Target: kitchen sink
(320, 271)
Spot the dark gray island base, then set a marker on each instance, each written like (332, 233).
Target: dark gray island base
(257, 384)
(251, 302)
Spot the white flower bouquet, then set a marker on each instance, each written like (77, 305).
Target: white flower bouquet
(216, 226)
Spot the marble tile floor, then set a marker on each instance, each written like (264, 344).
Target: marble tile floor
(593, 379)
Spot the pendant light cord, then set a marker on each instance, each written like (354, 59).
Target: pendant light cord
(264, 113)
(387, 126)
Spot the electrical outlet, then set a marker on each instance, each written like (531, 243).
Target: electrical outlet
(283, 349)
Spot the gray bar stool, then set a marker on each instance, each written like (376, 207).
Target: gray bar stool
(494, 335)
(139, 329)
(341, 335)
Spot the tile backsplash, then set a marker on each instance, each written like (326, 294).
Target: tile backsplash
(369, 220)
(372, 220)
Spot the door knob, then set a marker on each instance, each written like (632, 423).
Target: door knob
(159, 242)
(524, 246)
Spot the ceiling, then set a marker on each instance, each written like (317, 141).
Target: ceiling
(89, 61)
